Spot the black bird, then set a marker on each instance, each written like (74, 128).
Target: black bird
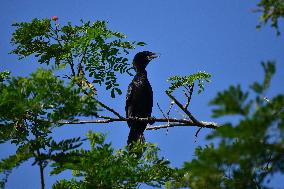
(139, 98)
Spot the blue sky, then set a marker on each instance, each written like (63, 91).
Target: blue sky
(219, 38)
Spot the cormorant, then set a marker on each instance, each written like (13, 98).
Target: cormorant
(139, 98)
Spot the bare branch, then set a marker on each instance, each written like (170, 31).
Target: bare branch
(94, 91)
(188, 97)
(109, 109)
(161, 110)
(72, 68)
(173, 122)
(191, 90)
(187, 100)
(184, 116)
(165, 126)
(66, 76)
(171, 106)
(104, 117)
(183, 109)
(196, 134)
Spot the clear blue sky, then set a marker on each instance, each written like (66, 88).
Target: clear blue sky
(219, 38)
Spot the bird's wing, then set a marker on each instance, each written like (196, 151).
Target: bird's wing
(150, 106)
(148, 100)
(129, 96)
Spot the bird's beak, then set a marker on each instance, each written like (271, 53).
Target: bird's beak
(153, 56)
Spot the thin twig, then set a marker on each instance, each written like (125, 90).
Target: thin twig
(67, 76)
(161, 110)
(187, 100)
(80, 66)
(69, 58)
(109, 109)
(91, 86)
(189, 97)
(104, 117)
(171, 106)
(184, 116)
(183, 109)
(197, 132)
(41, 169)
(98, 101)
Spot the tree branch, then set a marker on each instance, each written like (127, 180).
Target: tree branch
(93, 89)
(91, 86)
(109, 109)
(70, 59)
(188, 97)
(173, 122)
(182, 108)
(166, 126)
(41, 169)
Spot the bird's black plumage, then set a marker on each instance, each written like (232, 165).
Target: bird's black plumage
(139, 99)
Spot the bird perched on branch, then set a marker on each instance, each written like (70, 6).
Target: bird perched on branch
(139, 98)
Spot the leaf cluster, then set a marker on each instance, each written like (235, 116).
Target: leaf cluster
(30, 107)
(39, 100)
(90, 49)
(102, 167)
(232, 101)
(235, 101)
(272, 11)
(188, 81)
(4, 75)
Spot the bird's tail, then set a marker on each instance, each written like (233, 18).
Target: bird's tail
(136, 134)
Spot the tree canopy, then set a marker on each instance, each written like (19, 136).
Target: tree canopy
(78, 58)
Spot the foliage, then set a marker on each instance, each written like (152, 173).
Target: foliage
(41, 102)
(30, 108)
(233, 101)
(272, 10)
(90, 49)
(269, 70)
(4, 75)
(41, 99)
(250, 151)
(102, 167)
(188, 81)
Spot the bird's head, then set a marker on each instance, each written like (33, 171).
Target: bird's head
(142, 59)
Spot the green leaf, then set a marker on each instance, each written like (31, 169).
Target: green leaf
(118, 91)
(188, 81)
(112, 93)
(141, 43)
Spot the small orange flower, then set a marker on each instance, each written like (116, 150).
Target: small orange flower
(54, 18)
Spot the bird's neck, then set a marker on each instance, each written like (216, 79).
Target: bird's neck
(141, 72)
